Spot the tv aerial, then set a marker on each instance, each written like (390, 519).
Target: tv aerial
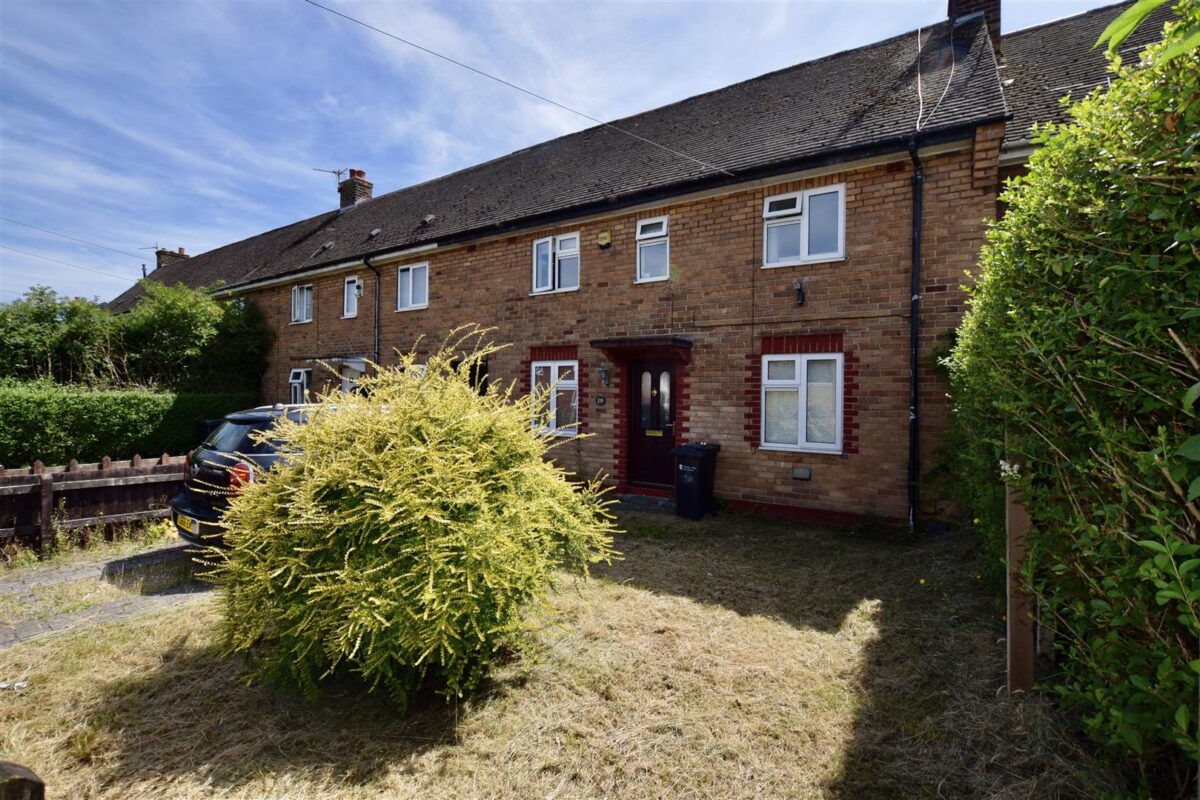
(336, 173)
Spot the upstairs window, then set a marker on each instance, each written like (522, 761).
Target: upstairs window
(412, 287)
(302, 303)
(559, 380)
(298, 382)
(351, 290)
(653, 250)
(802, 402)
(804, 227)
(556, 263)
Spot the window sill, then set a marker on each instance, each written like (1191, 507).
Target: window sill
(412, 308)
(554, 291)
(349, 316)
(663, 279)
(805, 262)
(783, 448)
(300, 322)
(558, 433)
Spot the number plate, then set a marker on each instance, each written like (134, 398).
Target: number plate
(187, 523)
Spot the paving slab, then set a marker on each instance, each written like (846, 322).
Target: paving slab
(154, 580)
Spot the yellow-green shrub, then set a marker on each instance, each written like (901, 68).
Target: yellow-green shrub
(405, 540)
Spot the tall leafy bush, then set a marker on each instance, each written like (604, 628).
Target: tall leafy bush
(43, 421)
(174, 338)
(404, 540)
(1082, 344)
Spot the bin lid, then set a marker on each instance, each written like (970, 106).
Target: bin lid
(696, 449)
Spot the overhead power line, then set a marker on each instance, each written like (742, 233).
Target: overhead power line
(522, 89)
(65, 263)
(72, 238)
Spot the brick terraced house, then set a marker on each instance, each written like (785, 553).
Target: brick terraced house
(781, 290)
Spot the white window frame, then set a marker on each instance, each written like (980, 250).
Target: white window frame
(351, 288)
(555, 385)
(298, 317)
(299, 382)
(799, 383)
(557, 254)
(800, 215)
(642, 239)
(405, 273)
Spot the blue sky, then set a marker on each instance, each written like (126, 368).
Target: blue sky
(195, 124)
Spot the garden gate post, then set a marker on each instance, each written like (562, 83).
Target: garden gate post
(46, 517)
(1020, 636)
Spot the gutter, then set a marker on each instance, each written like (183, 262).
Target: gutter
(914, 339)
(338, 266)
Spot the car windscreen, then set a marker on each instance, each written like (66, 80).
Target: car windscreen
(236, 437)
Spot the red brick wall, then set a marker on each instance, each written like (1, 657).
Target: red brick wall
(720, 297)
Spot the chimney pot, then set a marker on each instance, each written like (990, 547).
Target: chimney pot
(355, 189)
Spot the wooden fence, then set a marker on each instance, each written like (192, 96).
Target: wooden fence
(37, 501)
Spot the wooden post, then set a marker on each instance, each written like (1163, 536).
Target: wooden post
(46, 518)
(1020, 633)
(19, 783)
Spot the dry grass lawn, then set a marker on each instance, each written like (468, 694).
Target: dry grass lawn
(736, 657)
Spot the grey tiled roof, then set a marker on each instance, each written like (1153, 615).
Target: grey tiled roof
(1055, 60)
(823, 110)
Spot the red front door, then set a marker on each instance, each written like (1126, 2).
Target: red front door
(652, 423)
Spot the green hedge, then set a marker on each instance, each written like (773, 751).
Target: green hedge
(55, 423)
(1082, 344)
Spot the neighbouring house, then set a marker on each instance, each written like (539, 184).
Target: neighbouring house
(781, 289)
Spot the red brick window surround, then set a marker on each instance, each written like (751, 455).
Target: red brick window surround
(563, 352)
(799, 344)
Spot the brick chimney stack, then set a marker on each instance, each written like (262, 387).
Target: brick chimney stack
(163, 256)
(958, 9)
(355, 189)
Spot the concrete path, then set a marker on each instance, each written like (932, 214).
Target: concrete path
(155, 580)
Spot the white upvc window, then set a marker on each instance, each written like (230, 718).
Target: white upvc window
(302, 303)
(299, 381)
(802, 402)
(352, 289)
(560, 379)
(412, 287)
(805, 227)
(653, 250)
(556, 264)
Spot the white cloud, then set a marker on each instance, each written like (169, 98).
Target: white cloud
(197, 124)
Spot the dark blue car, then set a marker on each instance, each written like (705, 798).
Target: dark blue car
(222, 464)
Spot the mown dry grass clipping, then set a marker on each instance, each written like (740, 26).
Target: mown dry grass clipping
(730, 658)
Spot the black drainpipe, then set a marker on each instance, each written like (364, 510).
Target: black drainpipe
(914, 331)
(378, 279)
